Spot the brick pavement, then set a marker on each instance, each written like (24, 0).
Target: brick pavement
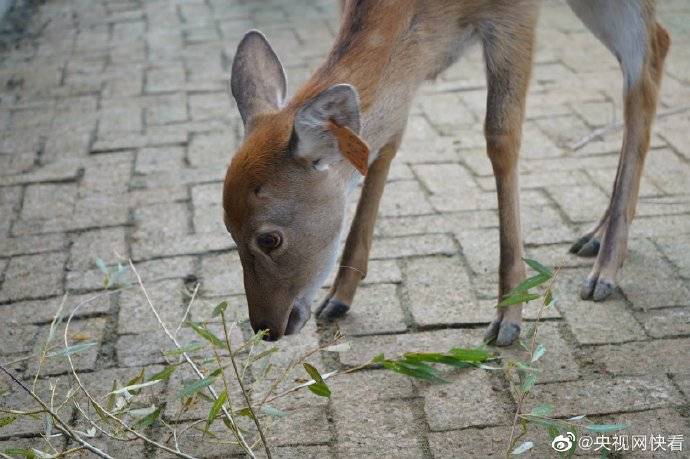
(116, 128)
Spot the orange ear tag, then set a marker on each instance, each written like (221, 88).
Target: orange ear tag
(351, 146)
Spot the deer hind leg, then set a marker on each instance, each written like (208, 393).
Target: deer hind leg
(353, 263)
(630, 32)
(508, 67)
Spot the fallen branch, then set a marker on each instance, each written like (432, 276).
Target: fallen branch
(236, 430)
(98, 405)
(61, 425)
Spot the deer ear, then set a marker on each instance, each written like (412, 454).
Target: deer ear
(258, 81)
(327, 128)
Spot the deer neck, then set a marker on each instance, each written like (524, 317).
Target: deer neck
(369, 54)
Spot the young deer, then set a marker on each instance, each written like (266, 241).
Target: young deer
(287, 186)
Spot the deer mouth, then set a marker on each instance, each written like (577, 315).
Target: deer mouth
(299, 315)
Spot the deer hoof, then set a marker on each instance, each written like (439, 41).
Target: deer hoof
(586, 246)
(502, 332)
(332, 309)
(590, 249)
(596, 288)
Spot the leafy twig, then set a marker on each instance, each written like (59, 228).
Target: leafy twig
(60, 424)
(191, 363)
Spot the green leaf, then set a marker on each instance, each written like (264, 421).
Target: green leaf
(164, 374)
(134, 381)
(523, 448)
(416, 370)
(101, 414)
(380, 358)
(469, 355)
(133, 388)
(215, 409)
(531, 282)
(7, 420)
(416, 357)
(110, 403)
(195, 387)
(191, 347)
(102, 266)
(273, 411)
(244, 412)
(553, 431)
(24, 452)
(538, 352)
(319, 387)
(71, 350)
(149, 418)
(219, 309)
(527, 380)
(543, 410)
(538, 267)
(207, 334)
(606, 427)
(517, 298)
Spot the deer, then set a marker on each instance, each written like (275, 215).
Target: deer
(287, 185)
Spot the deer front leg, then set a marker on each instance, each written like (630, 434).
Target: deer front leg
(507, 79)
(353, 263)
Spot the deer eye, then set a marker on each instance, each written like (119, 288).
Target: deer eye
(269, 241)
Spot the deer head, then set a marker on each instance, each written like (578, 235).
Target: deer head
(286, 189)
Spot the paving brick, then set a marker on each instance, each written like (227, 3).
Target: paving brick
(33, 276)
(470, 400)
(165, 79)
(37, 195)
(389, 427)
(404, 198)
(43, 311)
(32, 244)
(90, 245)
(189, 244)
(485, 442)
(155, 159)
(590, 322)
(439, 291)
(665, 322)
(654, 357)
(135, 314)
(17, 339)
(414, 245)
(580, 203)
(161, 220)
(214, 149)
(604, 396)
(648, 281)
(376, 310)
(674, 248)
(222, 274)
(80, 331)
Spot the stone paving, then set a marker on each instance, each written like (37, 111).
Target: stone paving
(116, 128)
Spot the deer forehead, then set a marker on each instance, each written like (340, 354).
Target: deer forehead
(259, 158)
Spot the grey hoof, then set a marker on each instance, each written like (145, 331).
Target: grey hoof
(332, 309)
(587, 288)
(603, 290)
(575, 248)
(590, 249)
(492, 332)
(508, 334)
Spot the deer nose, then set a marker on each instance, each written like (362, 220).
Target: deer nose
(271, 333)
